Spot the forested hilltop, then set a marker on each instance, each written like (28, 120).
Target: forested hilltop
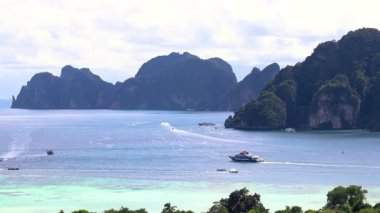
(171, 82)
(336, 87)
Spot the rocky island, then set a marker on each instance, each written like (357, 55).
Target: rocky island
(336, 87)
(172, 82)
(249, 88)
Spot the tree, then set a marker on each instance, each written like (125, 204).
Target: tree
(125, 210)
(293, 209)
(268, 112)
(356, 197)
(369, 210)
(376, 206)
(348, 199)
(218, 207)
(239, 201)
(168, 208)
(81, 211)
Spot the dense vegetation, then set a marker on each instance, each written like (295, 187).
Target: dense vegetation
(350, 199)
(337, 87)
(249, 88)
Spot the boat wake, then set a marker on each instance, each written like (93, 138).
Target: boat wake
(197, 135)
(36, 155)
(322, 165)
(18, 145)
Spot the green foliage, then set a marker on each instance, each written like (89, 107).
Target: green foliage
(256, 210)
(287, 91)
(121, 210)
(335, 97)
(376, 206)
(240, 201)
(341, 199)
(269, 111)
(369, 210)
(293, 209)
(336, 197)
(339, 81)
(360, 82)
(218, 207)
(356, 197)
(168, 208)
(266, 113)
(125, 210)
(81, 211)
(340, 86)
(372, 112)
(348, 70)
(347, 199)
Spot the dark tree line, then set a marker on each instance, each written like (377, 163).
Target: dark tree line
(350, 199)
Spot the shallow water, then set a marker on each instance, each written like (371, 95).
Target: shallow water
(107, 159)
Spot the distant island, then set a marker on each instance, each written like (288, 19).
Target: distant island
(336, 87)
(172, 82)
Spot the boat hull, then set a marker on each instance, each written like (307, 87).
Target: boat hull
(11, 168)
(248, 160)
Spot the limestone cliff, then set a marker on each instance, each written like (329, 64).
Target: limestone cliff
(336, 87)
(170, 82)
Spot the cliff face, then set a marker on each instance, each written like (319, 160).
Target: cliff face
(335, 106)
(74, 89)
(172, 82)
(334, 88)
(176, 81)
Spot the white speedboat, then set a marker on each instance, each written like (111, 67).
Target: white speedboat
(233, 171)
(245, 156)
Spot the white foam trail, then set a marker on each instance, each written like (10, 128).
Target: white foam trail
(18, 145)
(321, 165)
(197, 135)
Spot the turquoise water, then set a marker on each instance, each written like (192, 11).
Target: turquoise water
(107, 159)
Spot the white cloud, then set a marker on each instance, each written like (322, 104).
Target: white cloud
(114, 38)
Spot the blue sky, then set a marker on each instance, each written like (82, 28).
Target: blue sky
(114, 38)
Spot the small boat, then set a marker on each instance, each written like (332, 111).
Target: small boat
(3, 159)
(221, 170)
(206, 124)
(245, 156)
(233, 171)
(13, 168)
(290, 130)
(49, 152)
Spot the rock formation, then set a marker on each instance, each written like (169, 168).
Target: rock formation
(172, 82)
(336, 87)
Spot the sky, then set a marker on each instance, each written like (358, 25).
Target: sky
(114, 38)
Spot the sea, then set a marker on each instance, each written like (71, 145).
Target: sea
(143, 159)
